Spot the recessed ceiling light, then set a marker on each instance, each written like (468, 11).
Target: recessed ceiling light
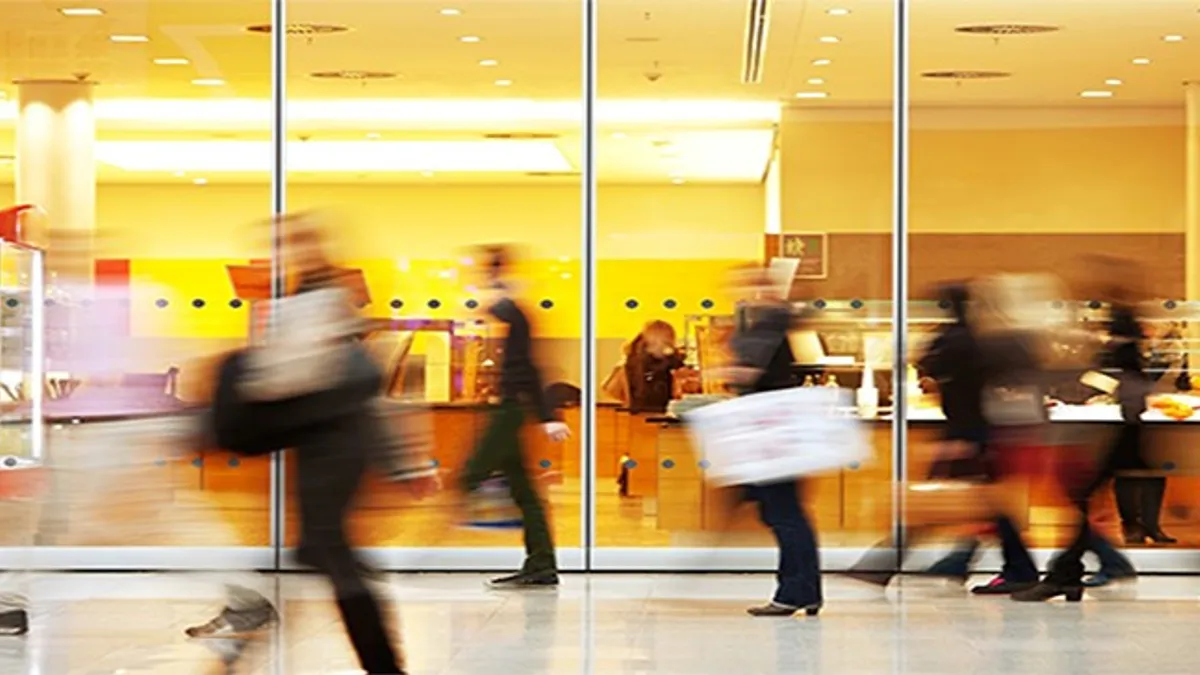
(1113, 82)
(837, 11)
(470, 38)
(1096, 94)
(128, 38)
(816, 80)
(620, 135)
(1172, 38)
(1141, 61)
(373, 135)
(427, 174)
(811, 94)
(830, 39)
(822, 62)
(489, 63)
(180, 174)
(200, 181)
(171, 62)
(209, 82)
(678, 181)
(81, 11)
(450, 11)
(504, 83)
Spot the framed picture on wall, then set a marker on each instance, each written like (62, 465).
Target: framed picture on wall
(811, 249)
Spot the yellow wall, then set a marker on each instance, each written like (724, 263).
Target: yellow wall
(987, 172)
(654, 243)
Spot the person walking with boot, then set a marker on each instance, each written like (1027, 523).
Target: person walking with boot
(500, 449)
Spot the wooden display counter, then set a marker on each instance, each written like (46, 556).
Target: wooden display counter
(666, 470)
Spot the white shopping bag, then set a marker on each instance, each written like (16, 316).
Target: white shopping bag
(780, 435)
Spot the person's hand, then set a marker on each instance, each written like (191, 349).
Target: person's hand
(422, 487)
(737, 374)
(556, 431)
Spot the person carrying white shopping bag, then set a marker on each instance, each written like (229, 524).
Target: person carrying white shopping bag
(749, 442)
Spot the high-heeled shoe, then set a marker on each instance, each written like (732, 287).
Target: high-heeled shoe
(1160, 537)
(1048, 590)
(776, 609)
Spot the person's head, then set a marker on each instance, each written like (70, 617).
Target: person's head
(658, 338)
(755, 283)
(1113, 280)
(957, 298)
(305, 246)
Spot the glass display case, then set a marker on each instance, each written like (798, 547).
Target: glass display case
(22, 353)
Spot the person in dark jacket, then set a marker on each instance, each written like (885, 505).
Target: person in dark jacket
(650, 363)
(499, 450)
(965, 365)
(764, 362)
(1124, 358)
(335, 434)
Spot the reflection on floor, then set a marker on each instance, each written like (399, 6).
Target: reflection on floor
(239, 518)
(131, 624)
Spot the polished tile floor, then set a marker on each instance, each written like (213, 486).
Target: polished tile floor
(130, 624)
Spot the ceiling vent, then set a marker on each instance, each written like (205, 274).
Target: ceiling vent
(521, 136)
(960, 75)
(999, 30)
(306, 30)
(754, 42)
(354, 75)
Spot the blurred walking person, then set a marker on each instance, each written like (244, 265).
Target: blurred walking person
(1128, 383)
(763, 362)
(500, 450)
(314, 389)
(965, 365)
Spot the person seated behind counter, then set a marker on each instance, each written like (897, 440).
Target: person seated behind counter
(651, 360)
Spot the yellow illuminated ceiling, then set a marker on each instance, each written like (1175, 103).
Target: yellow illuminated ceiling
(657, 59)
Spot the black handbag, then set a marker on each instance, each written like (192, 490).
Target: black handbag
(260, 427)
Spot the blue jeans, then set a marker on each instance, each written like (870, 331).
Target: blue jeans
(798, 578)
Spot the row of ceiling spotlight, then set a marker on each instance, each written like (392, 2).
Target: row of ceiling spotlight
(1137, 61)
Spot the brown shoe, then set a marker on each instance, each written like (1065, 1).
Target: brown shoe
(231, 623)
(776, 609)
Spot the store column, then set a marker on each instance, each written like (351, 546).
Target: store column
(56, 168)
(1191, 249)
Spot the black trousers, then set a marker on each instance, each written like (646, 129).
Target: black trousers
(1139, 501)
(331, 466)
(500, 450)
(1067, 568)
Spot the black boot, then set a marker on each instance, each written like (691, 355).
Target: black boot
(364, 625)
(1154, 490)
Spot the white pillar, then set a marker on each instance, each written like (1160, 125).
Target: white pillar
(56, 167)
(1191, 250)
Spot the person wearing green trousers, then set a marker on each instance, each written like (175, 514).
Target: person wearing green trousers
(499, 450)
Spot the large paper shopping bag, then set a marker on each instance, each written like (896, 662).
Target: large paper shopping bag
(780, 435)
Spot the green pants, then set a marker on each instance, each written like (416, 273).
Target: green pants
(500, 451)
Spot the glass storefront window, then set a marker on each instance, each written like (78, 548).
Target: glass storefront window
(465, 135)
(1074, 180)
(138, 132)
(707, 164)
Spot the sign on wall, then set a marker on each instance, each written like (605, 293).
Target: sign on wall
(810, 249)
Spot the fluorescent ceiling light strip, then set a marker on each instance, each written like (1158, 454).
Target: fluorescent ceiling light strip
(389, 113)
(335, 156)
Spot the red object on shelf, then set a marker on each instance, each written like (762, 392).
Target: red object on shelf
(11, 223)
